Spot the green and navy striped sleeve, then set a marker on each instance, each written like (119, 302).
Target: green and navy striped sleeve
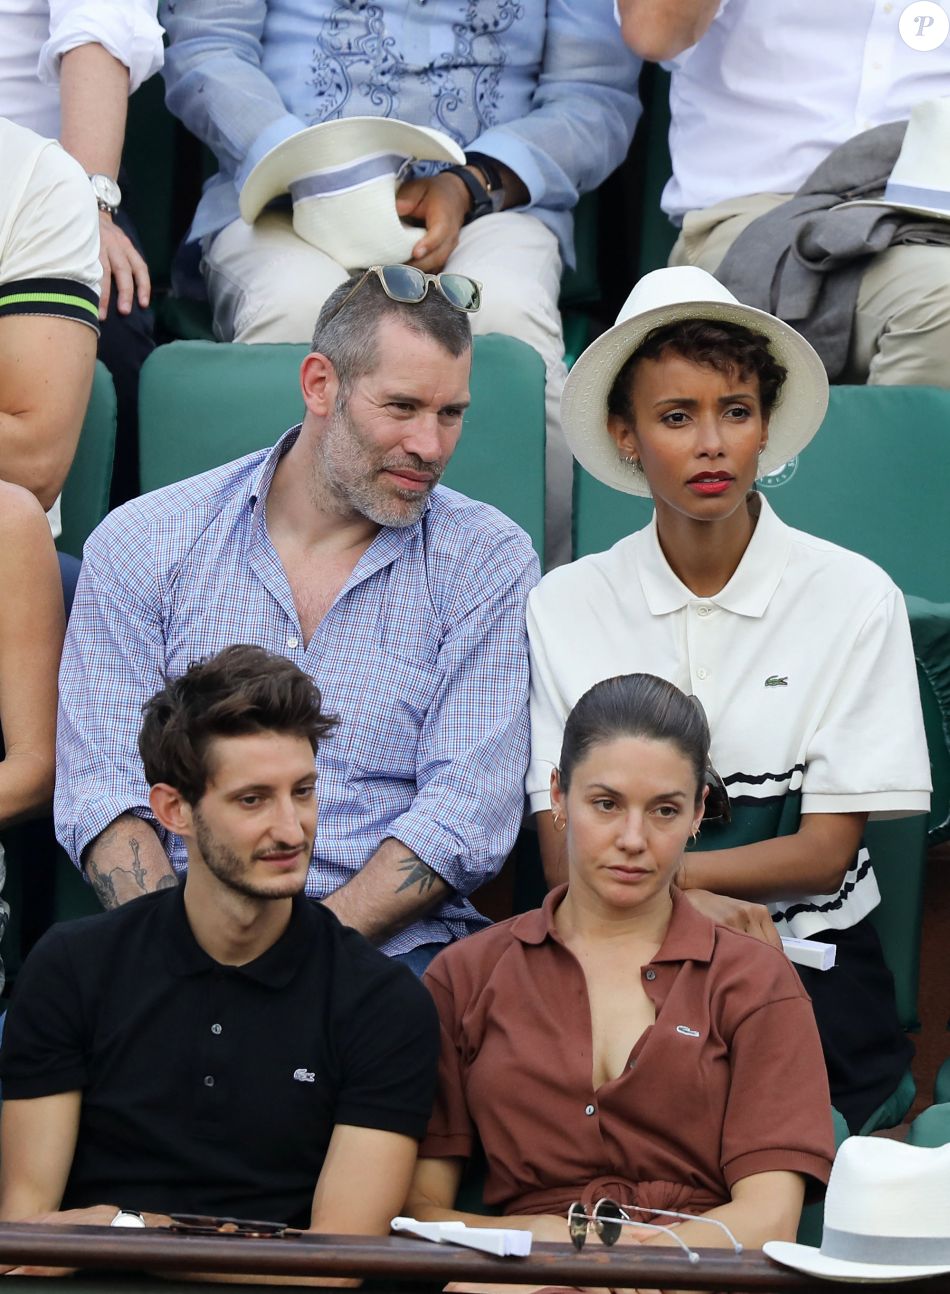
(63, 298)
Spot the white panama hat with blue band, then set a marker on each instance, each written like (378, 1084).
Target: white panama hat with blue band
(342, 176)
(887, 1215)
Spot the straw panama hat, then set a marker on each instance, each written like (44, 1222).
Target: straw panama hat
(663, 297)
(920, 180)
(887, 1215)
(343, 176)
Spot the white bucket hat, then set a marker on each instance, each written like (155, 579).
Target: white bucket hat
(343, 177)
(887, 1215)
(663, 297)
(920, 180)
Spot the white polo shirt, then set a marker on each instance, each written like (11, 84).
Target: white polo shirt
(803, 663)
(773, 86)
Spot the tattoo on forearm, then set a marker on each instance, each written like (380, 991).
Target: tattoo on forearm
(417, 873)
(104, 882)
(138, 871)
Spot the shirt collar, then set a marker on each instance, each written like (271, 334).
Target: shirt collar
(753, 583)
(690, 936)
(262, 478)
(275, 968)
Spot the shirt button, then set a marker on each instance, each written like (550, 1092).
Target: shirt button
(590, 1110)
(888, 8)
(209, 1080)
(293, 641)
(215, 1028)
(650, 974)
(704, 611)
(702, 673)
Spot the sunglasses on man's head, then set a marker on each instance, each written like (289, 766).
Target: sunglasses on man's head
(407, 284)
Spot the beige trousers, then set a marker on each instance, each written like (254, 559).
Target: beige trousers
(901, 331)
(267, 285)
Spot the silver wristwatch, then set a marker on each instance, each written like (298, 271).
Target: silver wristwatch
(126, 1218)
(108, 194)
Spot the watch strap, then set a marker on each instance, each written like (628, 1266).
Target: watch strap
(481, 198)
(493, 179)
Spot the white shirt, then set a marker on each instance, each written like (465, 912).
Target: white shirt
(49, 226)
(35, 34)
(803, 663)
(774, 85)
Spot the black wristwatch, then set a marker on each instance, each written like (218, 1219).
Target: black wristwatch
(482, 204)
(491, 173)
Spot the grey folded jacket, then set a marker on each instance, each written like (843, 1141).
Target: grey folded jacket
(803, 261)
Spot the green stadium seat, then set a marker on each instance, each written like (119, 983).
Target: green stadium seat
(931, 1128)
(86, 492)
(204, 403)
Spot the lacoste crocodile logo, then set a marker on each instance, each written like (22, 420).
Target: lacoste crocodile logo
(305, 1076)
(685, 1029)
(776, 680)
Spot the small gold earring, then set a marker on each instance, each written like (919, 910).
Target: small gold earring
(558, 822)
(694, 834)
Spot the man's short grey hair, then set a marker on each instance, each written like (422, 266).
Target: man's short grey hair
(349, 339)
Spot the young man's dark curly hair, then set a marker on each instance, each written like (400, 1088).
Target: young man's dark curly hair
(240, 690)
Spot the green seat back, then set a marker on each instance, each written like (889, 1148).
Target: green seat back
(932, 1128)
(602, 515)
(202, 404)
(874, 479)
(899, 852)
(930, 629)
(86, 492)
(848, 486)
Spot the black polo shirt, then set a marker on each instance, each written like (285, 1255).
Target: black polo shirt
(210, 1088)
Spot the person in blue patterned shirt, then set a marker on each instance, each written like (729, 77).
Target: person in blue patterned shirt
(404, 600)
(541, 95)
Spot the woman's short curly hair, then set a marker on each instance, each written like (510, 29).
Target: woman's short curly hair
(716, 344)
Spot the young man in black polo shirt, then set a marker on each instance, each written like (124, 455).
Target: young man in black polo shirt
(225, 1046)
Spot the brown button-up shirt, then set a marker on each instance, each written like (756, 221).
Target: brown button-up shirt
(729, 1080)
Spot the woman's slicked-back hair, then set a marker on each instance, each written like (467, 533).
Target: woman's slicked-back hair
(239, 691)
(637, 705)
(717, 344)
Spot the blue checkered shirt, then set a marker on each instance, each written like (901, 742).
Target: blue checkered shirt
(423, 655)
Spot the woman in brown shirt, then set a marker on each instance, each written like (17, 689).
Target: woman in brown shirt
(615, 1042)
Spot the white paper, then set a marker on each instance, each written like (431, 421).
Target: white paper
(809, 952)
(503, 1241)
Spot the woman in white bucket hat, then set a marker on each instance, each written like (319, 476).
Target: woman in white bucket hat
(799, 650)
